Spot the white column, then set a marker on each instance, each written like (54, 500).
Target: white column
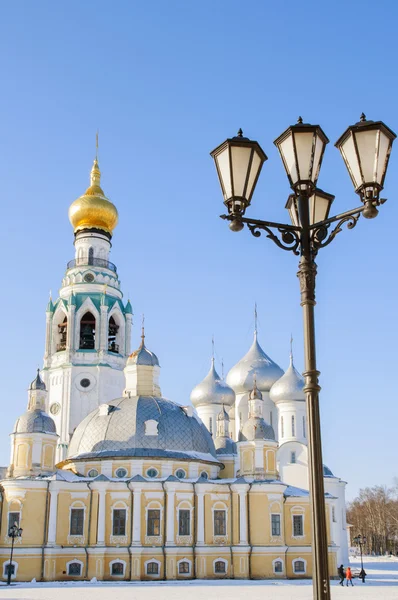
(52, 520)
(101, 519)
(136, 541)
(200, 534)
(103, 328)
(49, 321)
(170, 519)
(71, 329)
(242, 518)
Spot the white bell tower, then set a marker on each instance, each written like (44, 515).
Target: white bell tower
(88, 328)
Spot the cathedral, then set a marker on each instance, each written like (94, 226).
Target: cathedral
(109, 480)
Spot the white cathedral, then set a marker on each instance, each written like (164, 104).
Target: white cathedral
(131, 485)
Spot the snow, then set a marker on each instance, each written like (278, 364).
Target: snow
(381, 583)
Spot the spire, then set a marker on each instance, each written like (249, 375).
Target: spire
(143, 331)
(291, 350)
(95, 174)
(128, 309)
(255, 319)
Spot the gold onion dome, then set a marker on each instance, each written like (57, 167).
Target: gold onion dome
(93, 210)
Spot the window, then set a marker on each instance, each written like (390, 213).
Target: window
(91, 255)
(112, 334)
(119, 521)
(293, 427)
(293, 458)
(275, 524)
(219, 566)
(85, 382)
(219, 522)
(152, 568)
(76, 521)
(211, 426)
(282, 428)
(121, 472)
(152, 472)
(62, 334)
(74, 568)
(180, 473)
(183, 567)
(304, 427)
(184, 522)
(87, 332)
(93, 473)
(270, 417)
(204, 475)
(117, 568)
(299, 566)
(278, 566)
(298, 525)
(333, 514)
(13, 519)
(153, 525)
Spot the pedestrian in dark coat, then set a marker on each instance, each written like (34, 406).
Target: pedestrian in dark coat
(362, 575)
(341, 574)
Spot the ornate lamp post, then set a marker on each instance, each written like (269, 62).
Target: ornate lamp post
(13, 533)
(365, 148)
(360, 540)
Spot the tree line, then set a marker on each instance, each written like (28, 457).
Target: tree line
(374, 514)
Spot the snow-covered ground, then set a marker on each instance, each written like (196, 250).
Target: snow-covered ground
(381, 584)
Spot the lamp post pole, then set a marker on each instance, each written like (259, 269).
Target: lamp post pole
(361, 541)
(13, 533)
(365, 148)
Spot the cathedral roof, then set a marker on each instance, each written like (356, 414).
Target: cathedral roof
(143, 356)
(256, 428)
(241, 376)
(93, 210)
(225, 445)
(140, 426)
(289, 387)
(34, 421)
(212, 390)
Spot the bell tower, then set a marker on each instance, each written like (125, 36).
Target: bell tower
(88, 327)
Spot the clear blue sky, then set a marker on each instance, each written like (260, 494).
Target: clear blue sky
(165, 82)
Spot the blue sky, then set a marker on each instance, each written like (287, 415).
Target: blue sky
(165, 82)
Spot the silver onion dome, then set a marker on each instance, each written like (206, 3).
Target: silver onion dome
(241, 376)
(289, 388)
(143, 356)
(142, 426)
(35, 421)
(225, 445)
(256, 428)
(212, 390)
(37, 383)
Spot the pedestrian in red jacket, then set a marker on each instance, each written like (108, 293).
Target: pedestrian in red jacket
(348, 576)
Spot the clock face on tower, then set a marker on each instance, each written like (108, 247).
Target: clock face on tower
(55, 408)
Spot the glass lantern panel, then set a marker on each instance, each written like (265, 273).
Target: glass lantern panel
(384, 146)
(256, 165)
(287, 151)
(347, 149)
(304, 150)
(366, 143)
(319, 146)
(240, 157)
(318, 209)
(222, 160)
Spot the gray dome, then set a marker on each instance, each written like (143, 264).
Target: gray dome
(120, 428)
(327, 472)
(37, 383)
(256, 428)
(35, 421)
(212, 390)
(143, 356)
(224, 445)
(289, 387)
(240, 377)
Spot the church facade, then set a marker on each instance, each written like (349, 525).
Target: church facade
(108, 479)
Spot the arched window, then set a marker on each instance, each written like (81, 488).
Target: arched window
(152, 568)
(87, 332)
(118, 568)
(184, 567)
(75, 568)
(219, 566)
(293, 458)
(112, 333)
(91, 255)
(282, 428)
(211, 426)
(299, 566)
(293, 427)
(304, 427)
(278, 566)
(62, 331)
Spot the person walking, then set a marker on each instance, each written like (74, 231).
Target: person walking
(348, 575)
(362, 575)
(341, 574)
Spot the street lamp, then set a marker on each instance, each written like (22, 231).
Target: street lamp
(13, 533)
(360, 540)
(365, 148)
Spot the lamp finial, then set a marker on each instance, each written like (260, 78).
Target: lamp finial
(240, 132)
(300, 120)
(362, 117)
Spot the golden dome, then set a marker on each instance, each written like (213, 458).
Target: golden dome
(93, 210)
